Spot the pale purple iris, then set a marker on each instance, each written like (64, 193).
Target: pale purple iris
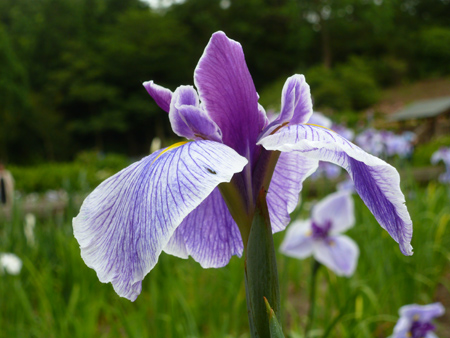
(371, 140)
(385, 143)
(416, 321)
(321, 236)
(401, 144)
(198, 198)
(443, 154)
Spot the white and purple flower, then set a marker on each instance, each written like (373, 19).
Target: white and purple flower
(320, 236)
(416, 321)
(198, 198)
(443, 154)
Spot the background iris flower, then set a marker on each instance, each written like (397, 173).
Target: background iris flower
(416, 321)
(320, 235)
(198, 198)
(443, 154)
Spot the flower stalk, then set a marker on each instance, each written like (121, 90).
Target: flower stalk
(312, 296)
(261, 275)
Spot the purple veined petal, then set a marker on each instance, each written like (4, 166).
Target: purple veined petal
(423, 313)
(161, 95)
(208, 234)
(338, 253)
(124, 224)
(338, 208)
(296, 104)
(298, 242)
(188, 119)
(227, 91)
(176, 246)
(284, 189)
(302, 99)
(377, 182)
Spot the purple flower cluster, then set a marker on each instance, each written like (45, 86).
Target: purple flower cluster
(385, 143)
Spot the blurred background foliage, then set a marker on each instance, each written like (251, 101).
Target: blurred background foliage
(71, 70)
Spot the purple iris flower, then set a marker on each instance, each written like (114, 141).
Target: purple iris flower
(320, 236)
(416, 321)
(345, 132)
(346, 185)
(371, 140)
(326, 169)
(198, 198)
(443, 154)
(401, 145)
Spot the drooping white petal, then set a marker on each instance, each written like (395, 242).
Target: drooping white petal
(377, 182)
(125, 223)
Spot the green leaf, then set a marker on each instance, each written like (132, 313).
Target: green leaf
(274, 326)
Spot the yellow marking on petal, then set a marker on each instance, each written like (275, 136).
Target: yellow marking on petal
(409, 334)
(316, 125)
(173, 146)
(331, 243)
(309, 233)
(416, 318)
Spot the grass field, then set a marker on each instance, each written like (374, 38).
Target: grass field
(57, 295)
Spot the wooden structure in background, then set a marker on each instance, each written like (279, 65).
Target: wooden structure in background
(427, 118)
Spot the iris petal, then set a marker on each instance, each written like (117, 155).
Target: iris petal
(338, 208)
(425, 313)
(338, 253)
(229, 96)
(124, 224)
(161, 95)
(298, 242)
(296, 104)
(209, 234)
(376, 182)
(284, 189)
(188, 119)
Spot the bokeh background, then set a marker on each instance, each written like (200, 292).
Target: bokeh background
(73, 112)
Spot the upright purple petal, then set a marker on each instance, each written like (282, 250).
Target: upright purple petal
(338, 253)
(188, 119)
(208, 234)
(126, 222)
(161, 95)
(298, 242)
(296, 104)
(227, 91)
(376, 182)
(287, 181)
(338, 208)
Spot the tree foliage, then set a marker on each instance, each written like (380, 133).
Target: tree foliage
(71, 70)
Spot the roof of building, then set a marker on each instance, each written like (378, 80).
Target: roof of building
(422, 109)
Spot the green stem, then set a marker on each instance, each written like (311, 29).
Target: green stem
(261, 275)
(312, 296)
